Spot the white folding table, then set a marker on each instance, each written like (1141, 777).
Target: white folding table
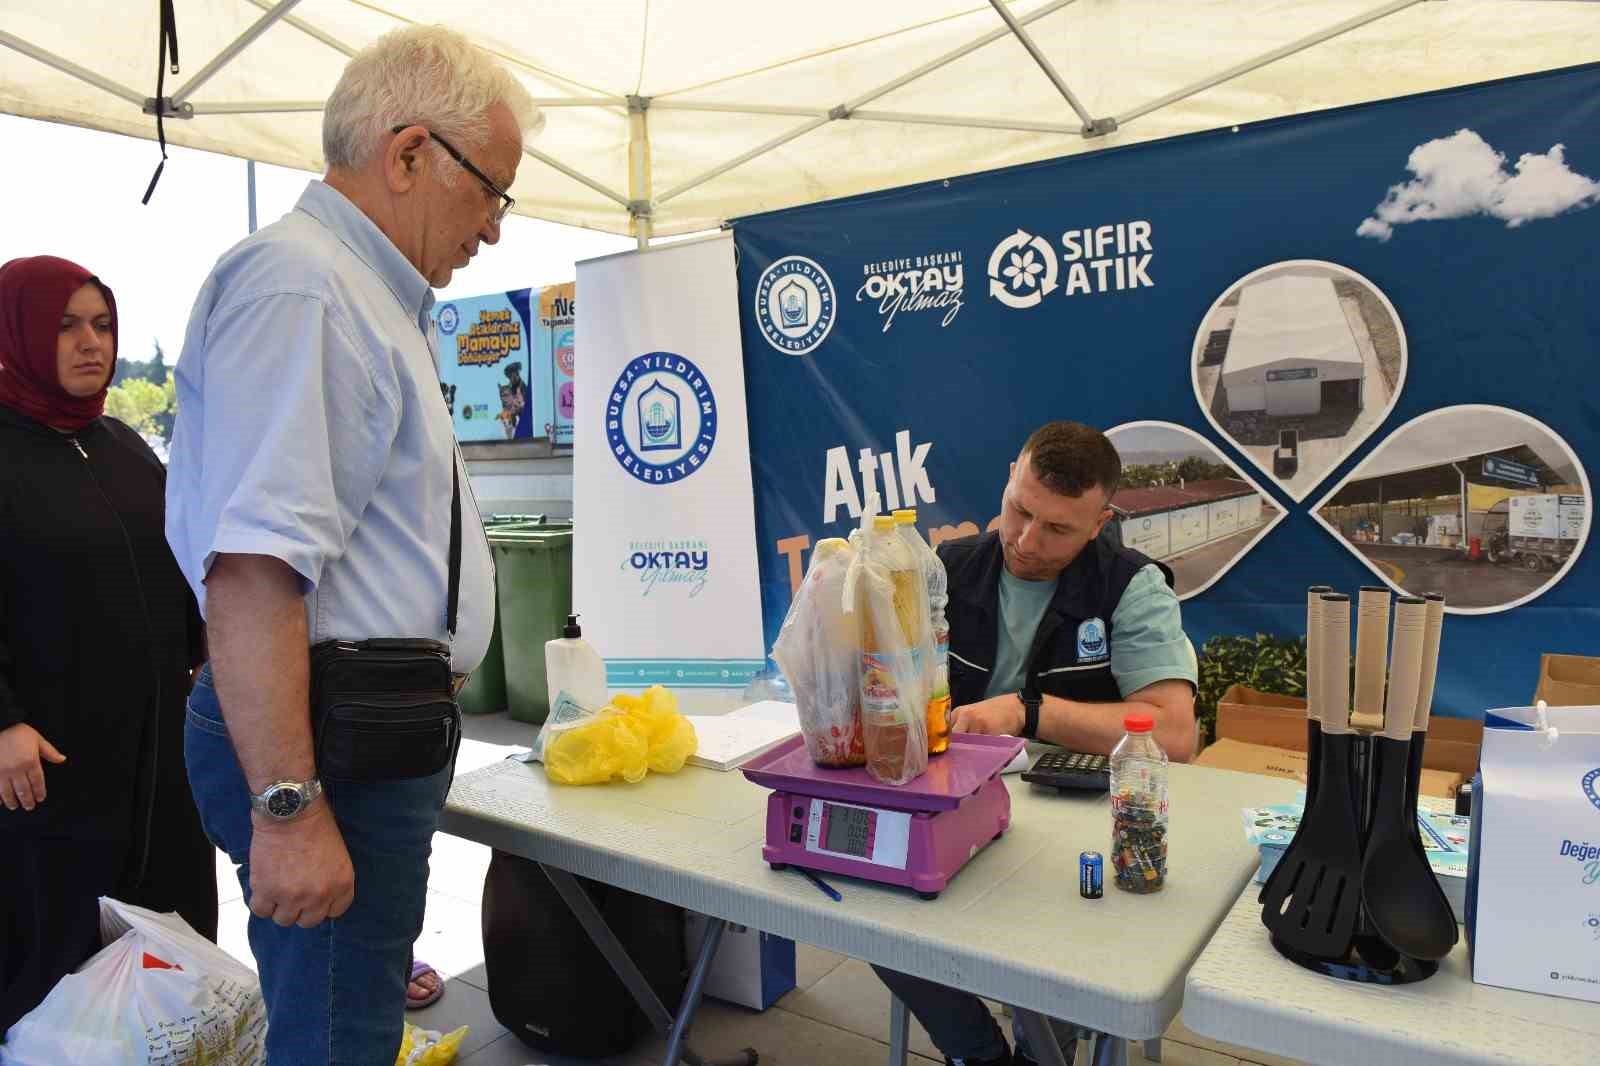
(1011, 926)
(1242, 992)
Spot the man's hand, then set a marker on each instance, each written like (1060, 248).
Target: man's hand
(21, 773)
(300, 872)
(1000, 716)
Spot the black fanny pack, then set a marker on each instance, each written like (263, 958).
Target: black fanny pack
(385, 709)
(382, 710)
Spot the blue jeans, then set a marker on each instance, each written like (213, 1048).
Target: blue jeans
(959, 1024)
(336, 993)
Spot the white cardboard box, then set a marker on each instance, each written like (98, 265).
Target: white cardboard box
(752, 968)
(1533, 883)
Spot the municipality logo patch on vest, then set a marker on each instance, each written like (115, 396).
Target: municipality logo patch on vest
(1092, 641)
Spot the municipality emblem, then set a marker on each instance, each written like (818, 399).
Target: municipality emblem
(795, 305)
(661, 418)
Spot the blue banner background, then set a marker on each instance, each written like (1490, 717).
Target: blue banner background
(1493, 314)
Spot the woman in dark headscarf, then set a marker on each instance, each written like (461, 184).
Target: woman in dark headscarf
(98, 633)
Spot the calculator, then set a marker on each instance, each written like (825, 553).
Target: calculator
(1071, 770)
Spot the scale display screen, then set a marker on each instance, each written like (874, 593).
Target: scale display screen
(868, 834)
(849, 830)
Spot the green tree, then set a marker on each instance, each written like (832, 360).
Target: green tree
(138, 403)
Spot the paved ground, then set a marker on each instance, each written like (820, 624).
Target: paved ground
(1326, 438)
(1464, 583)
(1192, 570)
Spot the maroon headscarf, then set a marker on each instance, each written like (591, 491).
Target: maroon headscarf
(33, 294)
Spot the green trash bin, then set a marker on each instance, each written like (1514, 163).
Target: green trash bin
(485, 693)
(533, 565)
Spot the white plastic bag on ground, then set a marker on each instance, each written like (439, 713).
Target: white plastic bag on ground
(158, 994)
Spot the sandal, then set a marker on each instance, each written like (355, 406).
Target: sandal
(419, 971)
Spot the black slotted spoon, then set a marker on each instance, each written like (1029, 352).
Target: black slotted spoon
(1314, 905)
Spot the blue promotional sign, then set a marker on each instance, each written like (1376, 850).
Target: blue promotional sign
(1506, 470)
(494, 369)
(905, 343)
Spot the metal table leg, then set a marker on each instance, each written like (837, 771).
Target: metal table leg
(676, 1030)
(1110, 1050)
(899, 1030)
(1041, 1038)
(1152, 1050)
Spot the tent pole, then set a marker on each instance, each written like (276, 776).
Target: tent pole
(844, 109)
(66, 66)
(309, 30)
(250, 190)
(1039, 57)
(582, 179)
(226, 56)
(909, 117)
(257, 107)
(580, 101)
(1267, 57)
(639, 183)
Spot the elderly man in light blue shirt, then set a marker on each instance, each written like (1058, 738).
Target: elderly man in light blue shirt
(309, 498)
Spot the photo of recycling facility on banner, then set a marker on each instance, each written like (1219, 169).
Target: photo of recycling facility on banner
(999, 533)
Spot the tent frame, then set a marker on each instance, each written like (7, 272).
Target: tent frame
(640, 200)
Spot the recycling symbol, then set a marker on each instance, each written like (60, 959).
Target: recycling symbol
(1022, 270)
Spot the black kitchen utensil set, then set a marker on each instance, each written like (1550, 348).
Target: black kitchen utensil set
(1353, 895)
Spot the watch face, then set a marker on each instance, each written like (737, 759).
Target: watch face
(283, 802)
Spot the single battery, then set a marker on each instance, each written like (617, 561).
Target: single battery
(1091, 875)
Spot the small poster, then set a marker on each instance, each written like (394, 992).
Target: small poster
(558, 321)
(488, 369)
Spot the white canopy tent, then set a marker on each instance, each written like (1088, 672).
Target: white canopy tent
(1289, 338)
(669, 116)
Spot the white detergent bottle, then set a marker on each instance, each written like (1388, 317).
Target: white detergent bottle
(572, 666)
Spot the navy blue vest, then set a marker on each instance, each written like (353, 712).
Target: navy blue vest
(1071, 652)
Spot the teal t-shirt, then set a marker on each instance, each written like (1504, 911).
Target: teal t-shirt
(1022, 605)
(1147, 639)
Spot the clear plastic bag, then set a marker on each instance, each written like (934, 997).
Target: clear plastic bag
(886, 590)
(158, 993)
(819, 651)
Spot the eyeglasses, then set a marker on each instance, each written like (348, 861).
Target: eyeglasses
(506, 202)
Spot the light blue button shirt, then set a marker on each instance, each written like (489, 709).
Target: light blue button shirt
(311, 428)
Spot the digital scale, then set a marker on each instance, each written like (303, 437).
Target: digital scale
(917, 835)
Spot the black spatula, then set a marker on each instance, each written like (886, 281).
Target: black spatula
(1403, 900)
(1313, 906)
(1313, 716)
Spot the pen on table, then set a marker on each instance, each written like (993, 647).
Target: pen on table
(827, 889)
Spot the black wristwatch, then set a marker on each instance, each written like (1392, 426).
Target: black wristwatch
(1031, 702)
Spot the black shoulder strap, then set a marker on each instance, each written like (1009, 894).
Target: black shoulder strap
(453, 597)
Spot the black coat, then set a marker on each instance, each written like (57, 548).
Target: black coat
(98, 632)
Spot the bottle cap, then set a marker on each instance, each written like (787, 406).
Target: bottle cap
(1139, 723)
(906, 516)
(883, 522)
(572, 629)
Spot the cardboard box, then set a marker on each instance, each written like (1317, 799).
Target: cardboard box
(1568, 680)
(752, 968)
(1229, 754)
(1252, 717)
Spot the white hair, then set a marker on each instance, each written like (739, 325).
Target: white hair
(421, 75)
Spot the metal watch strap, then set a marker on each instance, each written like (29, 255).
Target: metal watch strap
(1030, 713)
(310, 790)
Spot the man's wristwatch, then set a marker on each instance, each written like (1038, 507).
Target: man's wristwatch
(284, 801)
(1031, 702)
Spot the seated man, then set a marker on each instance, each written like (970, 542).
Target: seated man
(1056, 633)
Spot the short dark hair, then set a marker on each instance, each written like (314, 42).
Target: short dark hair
(1070, 458)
